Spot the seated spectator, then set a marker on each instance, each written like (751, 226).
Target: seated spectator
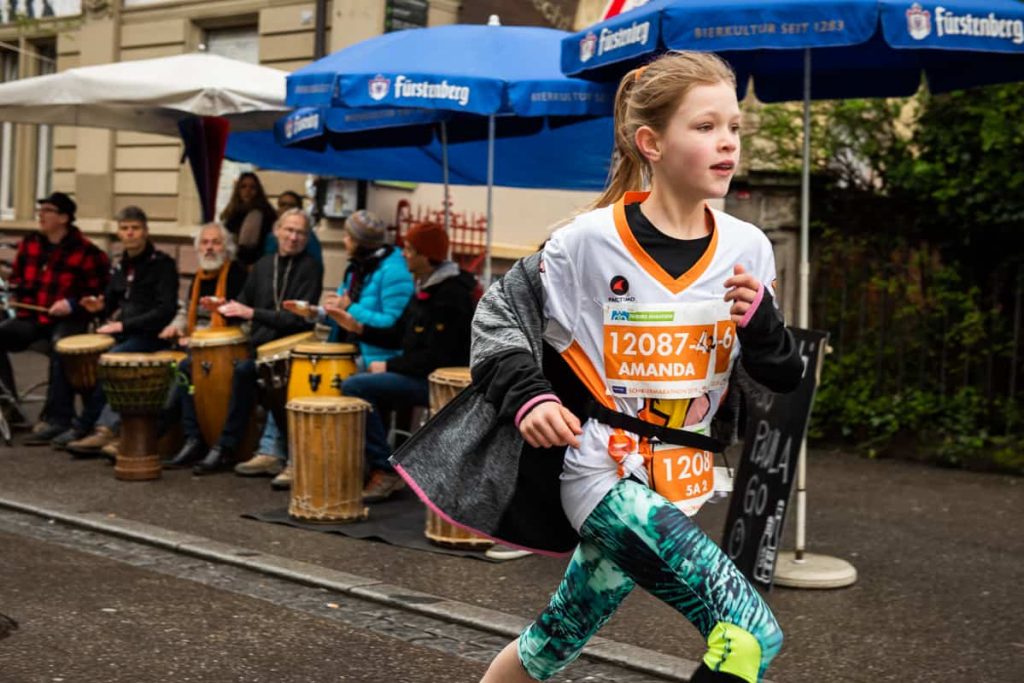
(140, 300)
(432, 332)
(219, 276)
(375, 289)
(53, 269)
(291, 273)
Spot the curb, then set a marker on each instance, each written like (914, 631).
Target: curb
(598, 649)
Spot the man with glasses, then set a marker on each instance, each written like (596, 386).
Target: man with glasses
(289, 273)
(54, 269)
(286, 201)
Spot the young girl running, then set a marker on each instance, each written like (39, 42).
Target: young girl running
(633, 317)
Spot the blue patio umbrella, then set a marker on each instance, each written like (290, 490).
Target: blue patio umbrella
(488, 71)
(860, 48)
(538, 160)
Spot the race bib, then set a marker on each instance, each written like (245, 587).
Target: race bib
(667, 350)
(684, 476)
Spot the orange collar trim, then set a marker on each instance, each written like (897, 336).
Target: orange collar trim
(674, 285)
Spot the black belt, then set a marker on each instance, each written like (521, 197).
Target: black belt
(678, 437)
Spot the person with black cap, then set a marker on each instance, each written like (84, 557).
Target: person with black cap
(54, 269)
(432, 332)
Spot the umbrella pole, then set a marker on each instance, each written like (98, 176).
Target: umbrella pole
(444, 173)
(490, 200)
(801, 569)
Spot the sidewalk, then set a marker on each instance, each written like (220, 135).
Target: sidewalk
(938, 552)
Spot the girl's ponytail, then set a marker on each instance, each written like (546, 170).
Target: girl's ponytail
(627, 167)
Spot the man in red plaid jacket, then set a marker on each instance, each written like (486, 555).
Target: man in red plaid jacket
(54, 268)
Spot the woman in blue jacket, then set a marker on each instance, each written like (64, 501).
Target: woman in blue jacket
(376, 286)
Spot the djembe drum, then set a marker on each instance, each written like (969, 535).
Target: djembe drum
(326, 437)
(273, 361)
(445, 384)
(319, 368)
(215, 350)
(80, 356)
(136, 386)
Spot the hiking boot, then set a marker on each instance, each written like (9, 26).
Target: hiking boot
(260, 465)
(93, 444)
(381, 486)
(283, 481)
(42, 436)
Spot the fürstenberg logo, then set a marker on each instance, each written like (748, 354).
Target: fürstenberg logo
(950, 24)
(613, 40)
(430, 91)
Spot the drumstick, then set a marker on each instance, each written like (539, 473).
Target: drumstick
(28, 307)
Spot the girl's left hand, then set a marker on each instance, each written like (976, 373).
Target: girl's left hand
(742, 290)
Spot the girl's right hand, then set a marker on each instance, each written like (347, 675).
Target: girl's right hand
(551, 424)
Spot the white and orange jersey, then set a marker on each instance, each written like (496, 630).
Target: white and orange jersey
(644, 343)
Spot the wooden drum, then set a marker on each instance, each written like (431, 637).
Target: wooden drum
(445, 384)
(80, 356)
(273, 361)
(136, 385)
(326, 437)
(318, 368)
(215, 350)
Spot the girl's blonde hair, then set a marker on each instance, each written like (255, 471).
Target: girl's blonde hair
(648, 96)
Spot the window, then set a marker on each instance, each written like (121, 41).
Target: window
(241, 43)
(8, 72)
(47, 64)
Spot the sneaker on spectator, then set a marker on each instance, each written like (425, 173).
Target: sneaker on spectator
(381, 486)
(260, 465)
(100, 437)
(283, 481)
(42, 435)
(500, 551)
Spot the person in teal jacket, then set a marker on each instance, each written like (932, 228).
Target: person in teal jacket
(376, 286)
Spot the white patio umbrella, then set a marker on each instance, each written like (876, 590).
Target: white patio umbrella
(149, 95)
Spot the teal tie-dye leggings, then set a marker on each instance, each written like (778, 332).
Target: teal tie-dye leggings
(635, 536)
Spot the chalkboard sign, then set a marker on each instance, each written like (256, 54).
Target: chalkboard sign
(403, 14)
(776, 424)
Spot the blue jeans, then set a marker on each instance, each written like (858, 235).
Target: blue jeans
(384, 391)
(273, 441)
(96, 410)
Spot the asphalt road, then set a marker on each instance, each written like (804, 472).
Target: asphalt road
(939, 555)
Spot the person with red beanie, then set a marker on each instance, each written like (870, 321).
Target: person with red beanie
(432, 332)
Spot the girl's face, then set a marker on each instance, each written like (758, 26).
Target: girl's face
(697, 154)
